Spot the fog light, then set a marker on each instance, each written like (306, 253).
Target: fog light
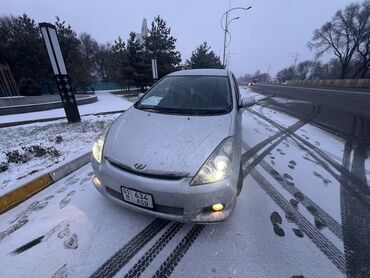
(96, 181)
(218, 207)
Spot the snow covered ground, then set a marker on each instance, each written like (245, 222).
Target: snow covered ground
(246, 92)
(61, 141)
(77, 229)
(70, 140)
(106, 102)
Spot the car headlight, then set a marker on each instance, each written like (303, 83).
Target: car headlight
(97, 149)
(218, 165)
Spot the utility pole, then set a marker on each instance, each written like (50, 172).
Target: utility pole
(225, 33)
(226, 27)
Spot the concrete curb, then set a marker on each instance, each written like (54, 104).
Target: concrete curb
(345, 83)
(15, 197)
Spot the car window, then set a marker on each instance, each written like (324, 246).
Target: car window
(189, 94)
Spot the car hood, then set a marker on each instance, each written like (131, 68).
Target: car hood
(164, 144)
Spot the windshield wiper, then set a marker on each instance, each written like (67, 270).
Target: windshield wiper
(212, 111)
(157, 108)
(188, 111)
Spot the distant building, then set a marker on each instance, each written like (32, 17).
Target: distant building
(144, 32)
(182, 66)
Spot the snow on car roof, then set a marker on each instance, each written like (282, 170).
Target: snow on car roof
(217, 72)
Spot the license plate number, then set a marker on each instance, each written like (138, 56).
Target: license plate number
(137, 198)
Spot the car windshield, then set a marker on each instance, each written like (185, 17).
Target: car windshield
(189, 95)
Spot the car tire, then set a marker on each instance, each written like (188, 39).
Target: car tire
(240, 181)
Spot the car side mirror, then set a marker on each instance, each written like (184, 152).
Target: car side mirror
(247, 102)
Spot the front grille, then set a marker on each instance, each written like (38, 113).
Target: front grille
(158, 208)
(148, 175)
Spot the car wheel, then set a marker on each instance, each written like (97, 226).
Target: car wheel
(240, 181)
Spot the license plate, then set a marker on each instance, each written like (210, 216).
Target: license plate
(137, 197)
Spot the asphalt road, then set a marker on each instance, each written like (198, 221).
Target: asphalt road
(345, 112)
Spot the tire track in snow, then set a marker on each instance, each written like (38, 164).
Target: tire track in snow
(248, 167)
(252, 151)
(178, 252)
(113, 265)
(152, 253)
(356, 222)
(350, 182)
(310, 205)
(324, 245)
(331, 223)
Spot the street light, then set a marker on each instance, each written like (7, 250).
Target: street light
(67, 96)
(235, 18)
(227, 57)
(226, 28)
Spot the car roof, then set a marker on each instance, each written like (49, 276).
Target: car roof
(215, 72)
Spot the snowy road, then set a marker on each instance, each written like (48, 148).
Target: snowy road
(302, 213)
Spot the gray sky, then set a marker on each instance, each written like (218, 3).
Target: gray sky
(266, 34)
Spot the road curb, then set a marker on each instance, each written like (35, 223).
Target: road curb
(22, 193)
(345, 83)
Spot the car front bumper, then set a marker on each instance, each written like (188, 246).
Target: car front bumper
(173, 199)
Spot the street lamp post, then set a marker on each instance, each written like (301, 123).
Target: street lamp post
(226, 28)
(62, 79)
(227, 56)
(154, 70)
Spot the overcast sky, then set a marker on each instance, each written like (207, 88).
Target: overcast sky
(265, 35)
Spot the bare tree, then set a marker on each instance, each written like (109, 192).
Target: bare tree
(304, 69)
(342, 35)
(286, 74)
(101, 61)
(363, 52)
(363, 48)
(88, 49)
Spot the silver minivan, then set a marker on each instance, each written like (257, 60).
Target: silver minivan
(176, 153)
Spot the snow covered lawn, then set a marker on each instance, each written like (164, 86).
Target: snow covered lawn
(28, 150)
